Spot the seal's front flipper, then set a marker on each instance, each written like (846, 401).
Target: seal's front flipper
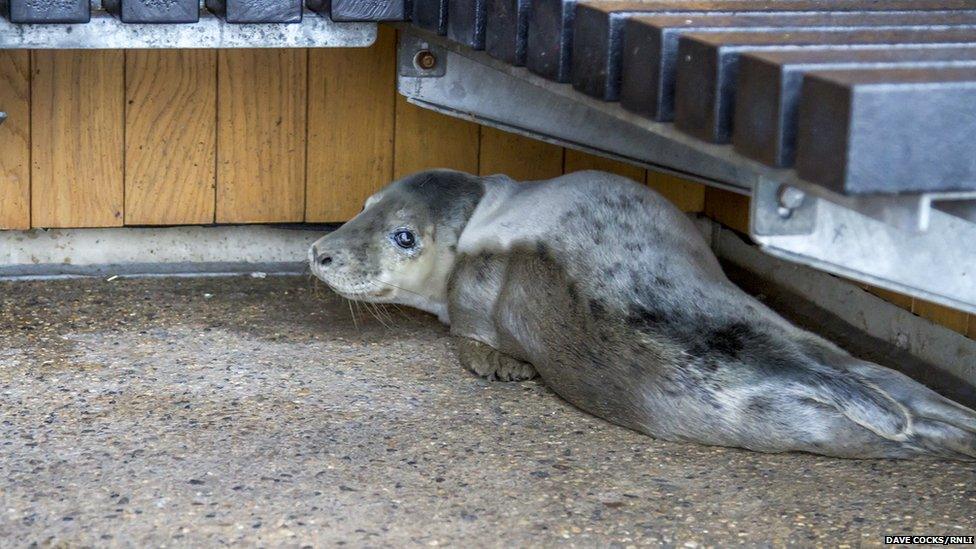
(490, 363)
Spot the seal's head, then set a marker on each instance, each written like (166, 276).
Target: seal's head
(401, 247)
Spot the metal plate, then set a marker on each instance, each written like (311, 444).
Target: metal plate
(361, 10)
(466, 22)
(106, 32)
(550, 38)
(430, 15)
(153, 11)
(506, 30)
(258, 11)
(62, 11)
(888, 131)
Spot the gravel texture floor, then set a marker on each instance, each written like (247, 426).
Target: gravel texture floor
(200, 412)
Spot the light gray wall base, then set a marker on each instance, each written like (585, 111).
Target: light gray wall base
(156, 251)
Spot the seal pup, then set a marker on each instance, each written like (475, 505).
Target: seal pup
(612, 296)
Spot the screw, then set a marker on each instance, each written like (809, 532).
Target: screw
(3, 117)
(790, 198)
(425, 60)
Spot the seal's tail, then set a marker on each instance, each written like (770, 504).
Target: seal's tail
(934, 425)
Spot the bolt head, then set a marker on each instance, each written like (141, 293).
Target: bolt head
(790, 197)
(425, 60)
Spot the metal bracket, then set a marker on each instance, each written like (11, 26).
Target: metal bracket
(938, 265)
(476, 87)
(781, 209)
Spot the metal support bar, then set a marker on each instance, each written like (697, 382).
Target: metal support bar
(476, 87)
(938, 264)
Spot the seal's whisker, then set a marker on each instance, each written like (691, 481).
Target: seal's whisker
(374, 311)
(382, 311)
(351, 314)
(397, 287)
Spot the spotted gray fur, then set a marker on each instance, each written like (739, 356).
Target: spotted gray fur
(611, 295)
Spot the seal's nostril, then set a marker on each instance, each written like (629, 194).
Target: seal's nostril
(323, 261)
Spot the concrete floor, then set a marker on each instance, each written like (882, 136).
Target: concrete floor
(254, 411)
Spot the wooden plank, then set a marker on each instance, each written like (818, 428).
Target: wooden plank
(728, 208)
(426, 139)
(950, 318)
(578, 160)
(15, 139)
(895, 298)
(971, 330)
(686, 195)
(351, 111)
(77, 128)
(518, 157)
(170, 140)
(261, 135)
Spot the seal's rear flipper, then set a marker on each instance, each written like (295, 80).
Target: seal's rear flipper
(929, 423)
(861, 402)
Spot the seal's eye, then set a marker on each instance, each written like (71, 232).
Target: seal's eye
(404, 239)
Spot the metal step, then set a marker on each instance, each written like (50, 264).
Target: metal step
(705, 86)
(926, 116)
(768, 83)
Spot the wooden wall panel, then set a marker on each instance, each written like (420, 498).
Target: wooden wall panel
(950, 318)
(170, 136)
(351, 111)
(518, 157)
(895, 298)
(261, 129)
(686, 195)
(15, 139)
(426, 139)
(578, 160)
(283, 135)
(729, 208)
(77, 104)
